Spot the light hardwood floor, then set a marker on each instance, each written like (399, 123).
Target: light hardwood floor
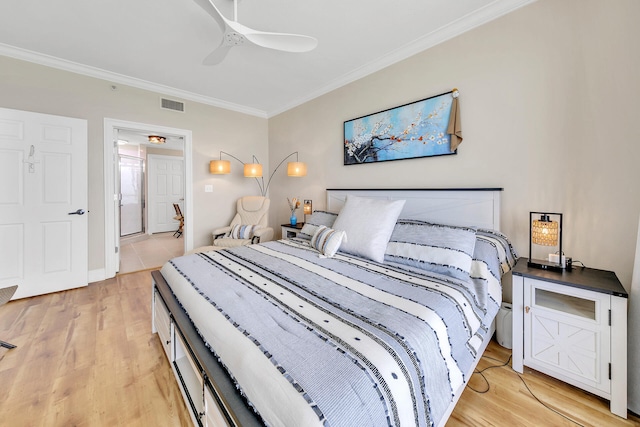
(86, 357)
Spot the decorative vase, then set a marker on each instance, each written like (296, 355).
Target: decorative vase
(293, 220)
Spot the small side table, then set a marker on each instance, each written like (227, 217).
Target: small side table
(290, 231)
(572, 325)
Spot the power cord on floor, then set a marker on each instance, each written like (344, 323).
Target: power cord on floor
(481, 373)
(502, 365)
(547, 406)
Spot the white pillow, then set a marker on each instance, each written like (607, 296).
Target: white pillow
(369, 224)
(327, 241)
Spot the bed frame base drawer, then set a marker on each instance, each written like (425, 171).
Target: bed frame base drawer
(162, 324)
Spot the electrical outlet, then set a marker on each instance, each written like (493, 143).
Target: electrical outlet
(554, 258)
(567, 262)
(208, 188)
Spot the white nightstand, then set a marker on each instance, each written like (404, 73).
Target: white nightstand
(572, 325)
(290, 231)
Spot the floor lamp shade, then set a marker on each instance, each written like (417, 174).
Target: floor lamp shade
(220, 167)
(296, 169)
(253, 170)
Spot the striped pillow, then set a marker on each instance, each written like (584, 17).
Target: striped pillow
(327, 241)
(444, 249)
(240, 231)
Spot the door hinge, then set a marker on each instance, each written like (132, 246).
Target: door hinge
(609, 317)
(117, 249)
(609, 370)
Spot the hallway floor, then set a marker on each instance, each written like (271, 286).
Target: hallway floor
(145, 251)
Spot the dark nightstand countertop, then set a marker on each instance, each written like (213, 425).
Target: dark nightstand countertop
(298, 226)
(591, 279)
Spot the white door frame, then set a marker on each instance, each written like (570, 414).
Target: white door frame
(110, 125)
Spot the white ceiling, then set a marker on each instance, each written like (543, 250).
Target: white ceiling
(160, 44)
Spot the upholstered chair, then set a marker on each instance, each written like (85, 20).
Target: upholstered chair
(5, 296)
(253, 212)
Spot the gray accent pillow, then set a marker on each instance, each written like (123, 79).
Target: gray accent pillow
(496, 251)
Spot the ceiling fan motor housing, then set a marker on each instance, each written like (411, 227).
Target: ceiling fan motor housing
(233, 38)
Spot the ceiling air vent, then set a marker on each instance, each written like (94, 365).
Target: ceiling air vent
(169, 104)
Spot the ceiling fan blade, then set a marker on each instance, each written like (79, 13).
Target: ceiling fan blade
(217, 56)
(235, 34)
(212, 10)
(282, 41)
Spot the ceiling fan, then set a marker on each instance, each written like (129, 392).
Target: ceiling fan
(236, 34)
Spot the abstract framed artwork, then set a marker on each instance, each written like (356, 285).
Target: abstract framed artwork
(414, 130)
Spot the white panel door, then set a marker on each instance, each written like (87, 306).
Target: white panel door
(43, 199)
(166, 187)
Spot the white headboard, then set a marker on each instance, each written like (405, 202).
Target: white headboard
(456, 206)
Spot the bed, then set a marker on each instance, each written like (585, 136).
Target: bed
(309, 332)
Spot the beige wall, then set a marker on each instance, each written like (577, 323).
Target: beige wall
(549, 95)
(549, 101)
(31, 87)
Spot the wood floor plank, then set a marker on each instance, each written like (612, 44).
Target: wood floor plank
(508, 401)
(87, 357)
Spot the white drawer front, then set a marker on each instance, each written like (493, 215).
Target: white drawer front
(163, 324)
(213, 417)
(189, 378)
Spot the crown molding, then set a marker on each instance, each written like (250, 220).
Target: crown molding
(466, 23)
(472, 20)
(86, 70)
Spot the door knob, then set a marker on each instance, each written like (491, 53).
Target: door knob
(78, 212)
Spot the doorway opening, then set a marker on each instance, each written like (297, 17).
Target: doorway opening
(143, 180)
(133, 197)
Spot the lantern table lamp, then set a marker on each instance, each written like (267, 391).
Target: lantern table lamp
(545, 229)
(307, 209)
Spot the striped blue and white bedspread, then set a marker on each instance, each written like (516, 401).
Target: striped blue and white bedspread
(335, 342)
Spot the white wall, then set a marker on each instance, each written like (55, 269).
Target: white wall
(31, 87)
(549, 98)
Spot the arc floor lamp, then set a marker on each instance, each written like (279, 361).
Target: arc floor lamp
(254, 169)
